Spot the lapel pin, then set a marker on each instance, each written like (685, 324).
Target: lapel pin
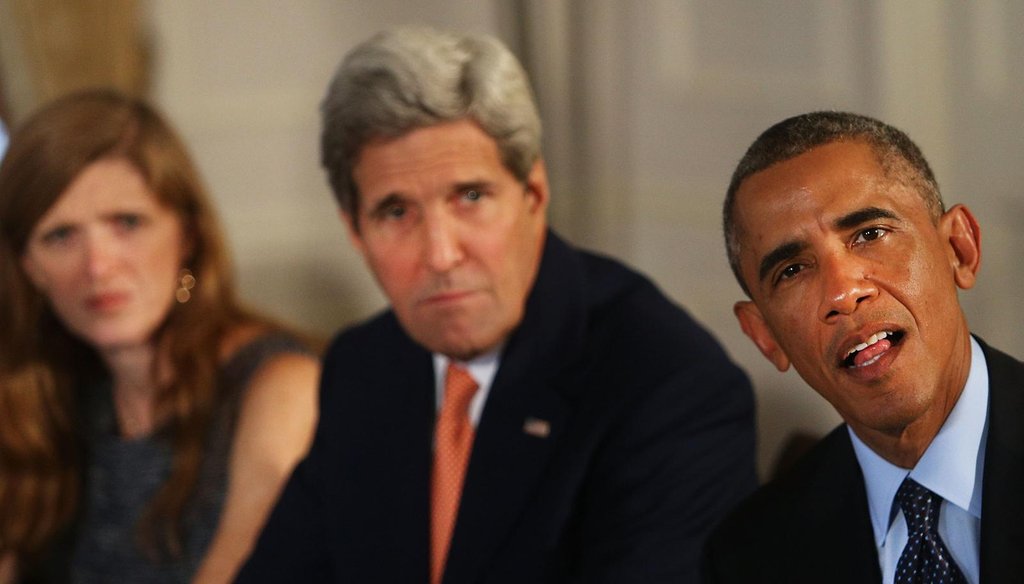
(536, 427)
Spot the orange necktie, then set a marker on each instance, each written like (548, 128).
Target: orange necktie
(453, 439)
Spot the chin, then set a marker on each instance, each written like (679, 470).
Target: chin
(462, 348)
(894, 419)
(460, 340)
(107, 341)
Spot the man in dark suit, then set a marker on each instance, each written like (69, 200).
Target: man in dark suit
(837, 232)
(524, 411)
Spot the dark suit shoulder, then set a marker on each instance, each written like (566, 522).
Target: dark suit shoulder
(1001, 531)
(366, 357)
(666, 417)
(637, 317)
(815, 513)
(1005, 367)
(639, 341)
(774, 505)
(380, 328)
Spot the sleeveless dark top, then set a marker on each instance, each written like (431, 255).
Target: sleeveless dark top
(123, 475)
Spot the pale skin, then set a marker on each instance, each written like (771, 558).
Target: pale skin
(101, 256)
(836, 253)
(280, 397)
(452, 236)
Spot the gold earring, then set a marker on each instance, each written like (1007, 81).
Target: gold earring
(186, 282)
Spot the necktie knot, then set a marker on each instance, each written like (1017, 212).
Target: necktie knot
(920, 506)
(459, 388)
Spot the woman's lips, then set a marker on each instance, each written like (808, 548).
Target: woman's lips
(106, 301)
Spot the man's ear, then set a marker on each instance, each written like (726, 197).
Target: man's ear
(753, 325)
(537, 187)
(353, 231)
(961, 229)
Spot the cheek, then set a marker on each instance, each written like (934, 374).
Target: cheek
(925, 283)
(395, 271)
(58, 286)
(797, 334)
(505, 270)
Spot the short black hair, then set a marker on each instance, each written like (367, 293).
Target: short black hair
(799, 134)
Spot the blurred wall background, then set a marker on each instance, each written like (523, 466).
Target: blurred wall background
(647, 107)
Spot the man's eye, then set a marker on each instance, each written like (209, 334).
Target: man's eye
(472, 195)
(393, 212)
(870, 234)
(790, 271)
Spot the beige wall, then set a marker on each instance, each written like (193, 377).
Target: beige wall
(647, 107)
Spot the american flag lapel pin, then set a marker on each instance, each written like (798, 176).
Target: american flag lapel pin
(536, 427)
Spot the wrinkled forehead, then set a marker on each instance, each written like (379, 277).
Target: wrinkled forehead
(812, 190)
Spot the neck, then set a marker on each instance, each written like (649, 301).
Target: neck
(904, 446)
(134, 388)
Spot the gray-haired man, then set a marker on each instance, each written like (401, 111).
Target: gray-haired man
(524, 412)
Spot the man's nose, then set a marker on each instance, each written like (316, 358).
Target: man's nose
(845, 285)
(443, 244)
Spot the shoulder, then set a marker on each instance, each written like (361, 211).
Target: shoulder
(1003, 368)
(280, 392)
(371, 362)
(372, 344)
(1006, 388)
(635, 328)
(622, 299)
(764, 515)
(380, 328)
(275, 374)
(284, 372)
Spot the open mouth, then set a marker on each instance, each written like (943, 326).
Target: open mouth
(869, 351)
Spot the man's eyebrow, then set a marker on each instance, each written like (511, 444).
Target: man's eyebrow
(861, 216)
(470, 185)
(385, 202)
(778, 255)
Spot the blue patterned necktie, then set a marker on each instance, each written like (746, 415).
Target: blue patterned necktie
(925, 560)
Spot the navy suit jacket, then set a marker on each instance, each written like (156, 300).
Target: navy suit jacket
(813, 525)
(651, 441)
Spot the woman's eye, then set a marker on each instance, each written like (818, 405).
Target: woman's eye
(128, 220)
(57, 235)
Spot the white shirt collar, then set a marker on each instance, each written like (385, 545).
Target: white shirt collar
(482, 369)
(951, 466)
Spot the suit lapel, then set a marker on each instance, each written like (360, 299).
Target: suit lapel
(506, 466)
(1002, 512)
(826, 535)
(524, 416)
(833, 540)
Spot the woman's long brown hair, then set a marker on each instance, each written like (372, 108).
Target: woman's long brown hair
(42, 364)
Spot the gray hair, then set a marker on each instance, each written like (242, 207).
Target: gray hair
(897, 154)
(409, 78)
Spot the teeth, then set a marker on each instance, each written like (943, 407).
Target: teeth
(871, 341)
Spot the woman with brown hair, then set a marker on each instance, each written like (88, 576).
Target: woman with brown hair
(147, 420)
